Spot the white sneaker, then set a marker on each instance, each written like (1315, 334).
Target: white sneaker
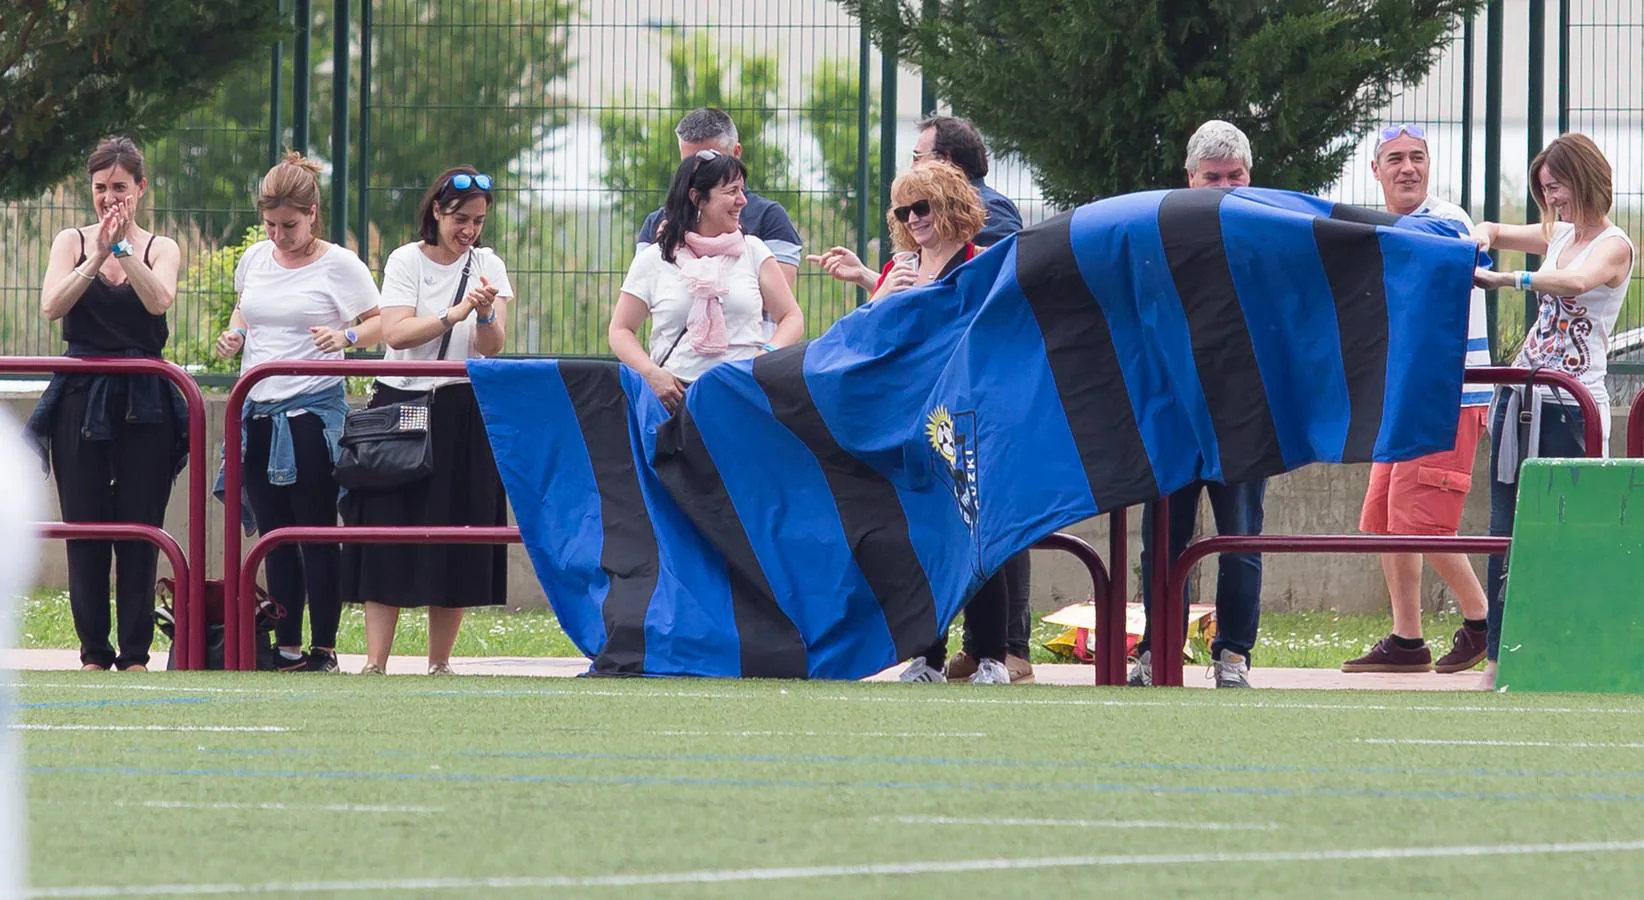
(921, 671)
(1141, 673)
(1231, 670)
(990, 671)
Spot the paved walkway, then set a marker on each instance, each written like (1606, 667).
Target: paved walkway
(1048, 673)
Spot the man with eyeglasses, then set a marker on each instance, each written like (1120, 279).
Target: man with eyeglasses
(711, 129)
(1218, 156)
(1426, 495)
(956, 142)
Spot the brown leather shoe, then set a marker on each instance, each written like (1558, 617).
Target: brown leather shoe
(1466, 651)
(1021, 671)
(960, 667)
(1387, 656)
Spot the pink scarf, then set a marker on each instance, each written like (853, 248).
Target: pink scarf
(705, 264)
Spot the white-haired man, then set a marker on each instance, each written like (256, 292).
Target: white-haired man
(1426, 495)
(709, 128)
(1218, 156)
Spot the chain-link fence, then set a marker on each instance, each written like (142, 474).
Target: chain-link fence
(571, 108)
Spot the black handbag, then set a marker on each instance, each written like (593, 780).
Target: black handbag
(390, 446)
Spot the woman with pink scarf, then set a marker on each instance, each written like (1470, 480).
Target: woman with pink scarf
(707, 287)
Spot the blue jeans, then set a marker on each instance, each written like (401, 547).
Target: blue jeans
(1561, 437)
(1237, 509)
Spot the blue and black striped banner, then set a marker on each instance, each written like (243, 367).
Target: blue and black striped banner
(824, 510)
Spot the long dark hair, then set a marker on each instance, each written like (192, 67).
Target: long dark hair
(447, 198)
(700, 172)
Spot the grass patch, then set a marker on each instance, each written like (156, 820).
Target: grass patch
(589, 788)
(1288, 640)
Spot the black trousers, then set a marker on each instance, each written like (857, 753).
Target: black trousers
(1018, 572)
(298, 573)
(985, 624)
(126, 479)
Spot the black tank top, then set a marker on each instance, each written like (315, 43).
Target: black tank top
(111, 317)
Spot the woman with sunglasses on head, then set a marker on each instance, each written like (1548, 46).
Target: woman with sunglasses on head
(705, 285)
(1587, 266)
(300, 298)
(117, 442)
(443, 297)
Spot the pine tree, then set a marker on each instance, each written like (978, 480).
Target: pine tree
(1100, 96)
(74, 71)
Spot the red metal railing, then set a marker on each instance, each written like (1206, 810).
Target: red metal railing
(188, 652)
(1110, 619)
(1635, 427)
(1166, 611)
(239, 651)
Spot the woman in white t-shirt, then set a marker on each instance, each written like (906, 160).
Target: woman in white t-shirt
(427, 302)
(300, 298)
(705, 285)
(1587, 265)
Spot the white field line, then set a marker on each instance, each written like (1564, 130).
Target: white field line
(1561, 745)
(724, 876)
(880, 734)
(912, 698)
(285, 807)
(1082, 823)
(237, 729)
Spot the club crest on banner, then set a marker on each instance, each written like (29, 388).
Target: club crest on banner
(952, 437)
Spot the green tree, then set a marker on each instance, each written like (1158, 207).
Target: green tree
(73, 71)
(831, 119)
(641, 152)
(1100, 96)
(453, 81)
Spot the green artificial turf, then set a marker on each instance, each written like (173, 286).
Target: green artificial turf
(511, 787)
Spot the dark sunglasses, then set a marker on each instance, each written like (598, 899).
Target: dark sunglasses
(920, 208)
(463, 181)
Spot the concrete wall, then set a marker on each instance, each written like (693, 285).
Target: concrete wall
(1314, 500)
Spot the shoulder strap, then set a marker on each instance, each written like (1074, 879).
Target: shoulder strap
(462, 285)
(147, 249)
(82, 235)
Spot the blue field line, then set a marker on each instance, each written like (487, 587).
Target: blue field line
(706, 781)
(98, 704)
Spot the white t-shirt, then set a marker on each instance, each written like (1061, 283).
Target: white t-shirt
(411, 280)
(279, 305)
(1478, 330)
(661, 286)
(1572, 334)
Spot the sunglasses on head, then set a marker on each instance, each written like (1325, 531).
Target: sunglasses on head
(463, 181)
(1393, 131)
(920, 208)
(708, 155)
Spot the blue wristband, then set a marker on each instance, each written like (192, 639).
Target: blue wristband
(1524, 280)
(491, 320)
(769, 348)
(350, 336)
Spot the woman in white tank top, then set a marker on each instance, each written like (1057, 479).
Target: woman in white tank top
(1581, 285)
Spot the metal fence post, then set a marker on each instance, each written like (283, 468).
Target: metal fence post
(274, 76)
(887, 143)
(363, 219)
(1563, 66)
(864, 165)
(1535, 114)
(300, 71)
(339, 124)
(1494, 17)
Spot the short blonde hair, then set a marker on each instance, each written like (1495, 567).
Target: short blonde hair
(954, 204)
(1575, 160)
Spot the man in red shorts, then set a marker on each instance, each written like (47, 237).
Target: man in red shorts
(1426, 495)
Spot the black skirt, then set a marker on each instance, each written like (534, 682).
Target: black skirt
(463, 490)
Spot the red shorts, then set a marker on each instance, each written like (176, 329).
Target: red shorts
(1426, 495)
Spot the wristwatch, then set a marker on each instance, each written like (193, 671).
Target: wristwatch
(121, 249)
(445, 318)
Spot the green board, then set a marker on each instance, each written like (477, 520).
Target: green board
(1574, 619)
